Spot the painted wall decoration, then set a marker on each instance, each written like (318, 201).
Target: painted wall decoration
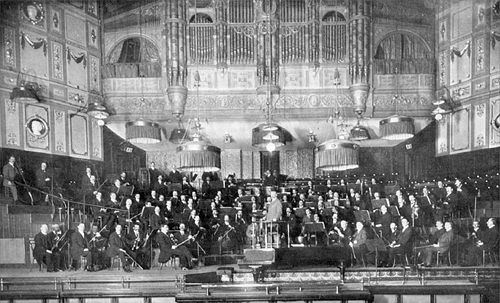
(12, 121)
(479, 134)
(96, 140)
(460, 130)
(9, 47)
(494, 111)
(37, 128)
(75, 29)
(442, 136)
(60, 131)
(33, 12)
(76, 67)
(57, 53)
(79, 135)
(34, 60)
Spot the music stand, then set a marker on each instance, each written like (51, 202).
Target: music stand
(362, 216)
(315, 227)
(377, 203)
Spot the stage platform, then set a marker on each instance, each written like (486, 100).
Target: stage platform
(219, 283)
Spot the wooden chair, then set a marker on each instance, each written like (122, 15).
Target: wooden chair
(33, 260)
(442, 255)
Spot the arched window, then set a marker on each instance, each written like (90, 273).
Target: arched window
(403, 53)
(334, 37)
(134, 57)
(201, 42)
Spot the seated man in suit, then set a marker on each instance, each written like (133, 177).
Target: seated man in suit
(168, 248)
(118, 247)
(404, 243)
(486, 241)
(80, 248)
(43, 249)
(358, 242)
(443, 244)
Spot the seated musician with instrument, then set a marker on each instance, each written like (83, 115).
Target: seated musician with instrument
(80, 248)
(136, 242)
(341, 234)
(254, 234)
(42, 251)
(168, 248)
(184, 240)
(58, 241)
(225, 238)
(118, 247)
(97, 244)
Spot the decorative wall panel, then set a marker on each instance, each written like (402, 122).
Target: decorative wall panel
(60, 132)
(242, 79)
(293, 78)
(75, 29)
(256, 165)
(36, 128)
(231, 162)
(247, 164)
(96, 140)
(305, 163)
(93, 36)
(57, 56)
(462, 22)
(8, 46)
(479, 56)
(494, 49)
(289, 167)
(12, 251)
(34, 59)
(163, 159)
(79, 135)
(12, 124)
(494, 111)
(460, 130)
(479, 130)
(460, 62)
(442, 136)
(76, 66)
(94, 73)
(55, 21)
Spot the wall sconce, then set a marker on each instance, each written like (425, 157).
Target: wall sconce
(312, 137)
(227, 138)
(444, 102)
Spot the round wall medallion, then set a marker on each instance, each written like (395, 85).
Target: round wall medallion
(34, 12)
(37, 127)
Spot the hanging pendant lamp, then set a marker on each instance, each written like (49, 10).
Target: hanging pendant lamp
(397, 128)
(198, 156)
(337, 155)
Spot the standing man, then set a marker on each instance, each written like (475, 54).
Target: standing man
(10, 173)
(175, 175)
(43, 177)
(275, 208)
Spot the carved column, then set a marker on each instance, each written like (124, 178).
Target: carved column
(176, 34)
(221, 30)
(267, 22)
(359, 52)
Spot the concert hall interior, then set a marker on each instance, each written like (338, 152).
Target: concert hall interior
(250, 151)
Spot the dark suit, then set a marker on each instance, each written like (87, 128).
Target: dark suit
(42, 244)
(359, 243)
(10, 174)
(166, 251)
(117, 242)
(489, 238)
(404, 242)
(41, 176)
(444, 244)
(79, 243)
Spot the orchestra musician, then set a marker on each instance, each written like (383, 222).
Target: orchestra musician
(254, 234)
(168, 248)
(10, 174)
(136, 242)
(97, 244)
(403, 244)
(443, 244)
(486, 241)
(358, 241)
(58, 241)
(226, 237)
(80, 248)
(42, 251)
(117, 247)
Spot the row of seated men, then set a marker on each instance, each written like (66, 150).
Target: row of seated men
(99, 247)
